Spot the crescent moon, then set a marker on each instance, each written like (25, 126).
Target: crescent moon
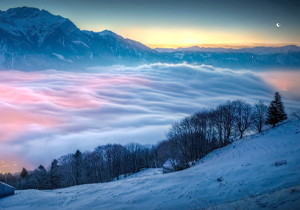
(277, 25)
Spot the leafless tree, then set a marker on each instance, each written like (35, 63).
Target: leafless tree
(259, 117)
(243, 116)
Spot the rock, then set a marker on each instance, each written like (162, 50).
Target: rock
(280, 163)
(294, 190)
(6, 190)
(220, 179)
(173, 165)
(168, 166)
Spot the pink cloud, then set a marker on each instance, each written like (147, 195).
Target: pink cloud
(15, 122)
(38, 102)
(18, 95)
(284, 81)
(17, 91)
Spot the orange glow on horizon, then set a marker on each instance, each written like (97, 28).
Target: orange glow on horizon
(13, 165)
(188, 37)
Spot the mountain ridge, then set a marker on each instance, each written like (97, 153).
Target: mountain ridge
(35, 39)
(37, 34)
(256, 49)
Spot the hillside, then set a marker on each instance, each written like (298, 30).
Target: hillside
(251, 179)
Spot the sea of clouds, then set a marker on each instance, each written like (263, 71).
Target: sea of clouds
(46, 114)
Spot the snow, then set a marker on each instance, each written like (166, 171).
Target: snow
(250, 181)
(81, 43)
(61, 57)
(30, 22)
(6, 190)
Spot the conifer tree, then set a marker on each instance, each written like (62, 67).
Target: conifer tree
(282, 115)
(41, 178)
(54, 174)
(23, 173)
(77, 167)
(276, 111)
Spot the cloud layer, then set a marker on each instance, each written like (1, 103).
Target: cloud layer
(48, 114)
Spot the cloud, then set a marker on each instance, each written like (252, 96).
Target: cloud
(287, 82)
(51, 113)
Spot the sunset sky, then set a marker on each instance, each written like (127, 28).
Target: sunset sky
(174, 23)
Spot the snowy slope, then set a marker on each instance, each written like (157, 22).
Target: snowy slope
(250, 181)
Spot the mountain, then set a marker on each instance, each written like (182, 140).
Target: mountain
(32, 37)
(254, 50)
(257, 172)
(255, 58)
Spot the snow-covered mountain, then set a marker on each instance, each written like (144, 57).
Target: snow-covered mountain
(254, 50)
(257, 172)
(34, 38)
(31, 38)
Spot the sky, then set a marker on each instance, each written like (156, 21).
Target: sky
(177, 23)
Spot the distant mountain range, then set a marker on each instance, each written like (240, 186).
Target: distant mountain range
(255, 50)
(31, 39)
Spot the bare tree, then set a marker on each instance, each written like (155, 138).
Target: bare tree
(259, 116)
(226, 119)
(243, 116)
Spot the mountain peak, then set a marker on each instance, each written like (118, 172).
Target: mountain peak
(30, 33)
(109, 33)
(25, 12)
(33, 22)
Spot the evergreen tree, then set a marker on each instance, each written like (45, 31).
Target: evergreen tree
(54, 174)
(40, 176)
(22, 182)
(276, 111)
(77, 167)
(282, 115)
(24, 173)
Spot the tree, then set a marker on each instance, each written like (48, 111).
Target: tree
(276, 111)
(225, 114)
(282, 115)
(78, 167)
(40, 178)
(243, 120)
(259, 116)
(24, 173)
(54, 174)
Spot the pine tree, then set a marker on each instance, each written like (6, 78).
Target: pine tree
(54, 174)
(276, 111)
(23, 182)
(77, 167)
(41, 178)
(281, 113)
(23, 173)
